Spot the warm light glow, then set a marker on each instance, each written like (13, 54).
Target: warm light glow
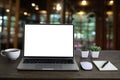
(43, 12)
(58, 7)
(29, 14)
(109, 13)
(25, 13)
(7, 10)
(81, 12)
(36, 7)
(84, 3)
(67, 13)
(54, 8)
(111, 2)
(33, 4)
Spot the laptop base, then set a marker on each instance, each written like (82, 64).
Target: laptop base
(47, 66)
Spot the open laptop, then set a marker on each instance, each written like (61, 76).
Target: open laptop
(48, 47)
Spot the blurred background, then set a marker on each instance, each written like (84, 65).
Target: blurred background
(96, 22)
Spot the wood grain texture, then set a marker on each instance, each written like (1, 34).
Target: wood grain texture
(8, 70)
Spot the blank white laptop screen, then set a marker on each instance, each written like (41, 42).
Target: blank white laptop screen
(48, 40)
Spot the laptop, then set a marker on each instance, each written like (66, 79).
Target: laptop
(48, 47)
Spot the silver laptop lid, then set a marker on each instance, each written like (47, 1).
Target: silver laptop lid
(48, 40)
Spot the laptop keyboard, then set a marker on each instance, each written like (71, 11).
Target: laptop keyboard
(64, 61)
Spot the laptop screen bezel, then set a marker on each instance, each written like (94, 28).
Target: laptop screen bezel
(46, 56)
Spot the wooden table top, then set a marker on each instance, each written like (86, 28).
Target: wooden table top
(8, 69)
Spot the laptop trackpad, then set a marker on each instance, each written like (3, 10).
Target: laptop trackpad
(48, 66)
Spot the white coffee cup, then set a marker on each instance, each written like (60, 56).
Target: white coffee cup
(11, 53)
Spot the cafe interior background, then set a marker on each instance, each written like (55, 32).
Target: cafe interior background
(96, 22)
